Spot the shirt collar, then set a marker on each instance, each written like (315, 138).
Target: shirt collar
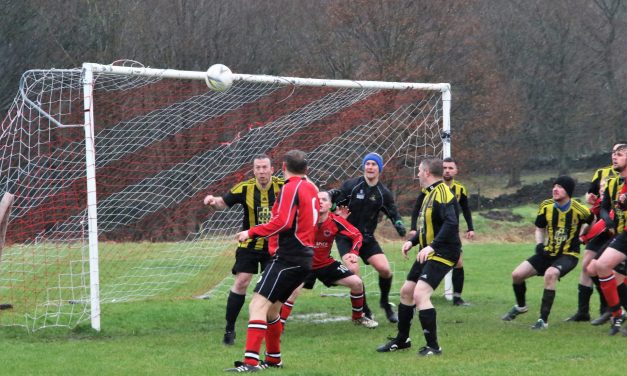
(564, 207)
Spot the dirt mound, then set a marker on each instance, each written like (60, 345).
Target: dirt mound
(502, 215)
(529, 194)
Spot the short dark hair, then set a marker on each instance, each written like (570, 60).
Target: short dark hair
(434, 165)
(449, 159)
(296, 161)
(262, 156)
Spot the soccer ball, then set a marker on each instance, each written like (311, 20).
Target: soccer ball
(219, 77)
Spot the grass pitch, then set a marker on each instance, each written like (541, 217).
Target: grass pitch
(183, 337)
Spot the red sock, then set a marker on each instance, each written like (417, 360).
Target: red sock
(608, 286)
(357, 301)
(286, 309)
(256, 332)
(273, 341)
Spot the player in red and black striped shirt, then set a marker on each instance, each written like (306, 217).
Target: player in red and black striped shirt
(330, 271)
(291, 232)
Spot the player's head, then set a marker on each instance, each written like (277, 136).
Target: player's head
(449, 168)
(429, 171)
(295, 162)
(372, 165)
(563, 186)
(262, 168)
(619, 157)
(325, 202)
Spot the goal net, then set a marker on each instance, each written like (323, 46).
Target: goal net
(104, 170)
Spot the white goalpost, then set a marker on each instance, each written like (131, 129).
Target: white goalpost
(106, 167)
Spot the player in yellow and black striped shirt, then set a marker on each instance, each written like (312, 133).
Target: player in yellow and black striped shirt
(461, 194)
(437, 233)
(256, 196)
(614, 198)
(561, 221)
(593, 249)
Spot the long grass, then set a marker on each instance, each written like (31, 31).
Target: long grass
(183, 337)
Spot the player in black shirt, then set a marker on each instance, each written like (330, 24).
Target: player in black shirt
(366, 197)
(438, 237)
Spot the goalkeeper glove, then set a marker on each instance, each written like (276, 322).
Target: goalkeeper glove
(539, 249)
(400, 228)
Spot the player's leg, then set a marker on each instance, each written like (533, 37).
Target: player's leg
(288, 278)
(273, 336)
(406, 311)
(355, 284)
(277, 282)
(523, 271)
(246, 264)
(458, 282)
(560, 268)
(598, 244)
(612, 256)
(433, 273)
(584, 289)
(288, 306)
(344, 246)
(380, 263)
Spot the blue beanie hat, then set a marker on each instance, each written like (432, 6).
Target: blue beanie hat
(373, 157)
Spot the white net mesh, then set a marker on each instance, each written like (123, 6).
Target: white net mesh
(161, 145)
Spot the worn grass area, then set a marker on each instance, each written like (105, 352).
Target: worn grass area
(164, 337)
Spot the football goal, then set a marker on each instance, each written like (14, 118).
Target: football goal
(104, 170)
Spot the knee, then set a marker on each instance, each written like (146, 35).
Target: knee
(517, 277)
(241, 283)
(551, 276)
(384, 270)
(355, 284)
(407, 292)
(591, 269)
(386, 273)
(600, 268)
(422, 296)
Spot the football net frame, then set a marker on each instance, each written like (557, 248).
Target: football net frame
(65, 133)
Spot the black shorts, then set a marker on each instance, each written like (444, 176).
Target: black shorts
(431, 272)
(279, 279)
(598, 243)
(368, 248)
(563, 263)
(328, 275)
(619, 243)
(247, 261)
(621, 268)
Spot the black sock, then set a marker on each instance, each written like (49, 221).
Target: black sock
(366, 309)
(602, 302)
(429, 327)
(519, 291)
(583, 299)
(548, 296)
(458, 281)
(622, 294)
(405, 316)
(385, 284)
(234, 305)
